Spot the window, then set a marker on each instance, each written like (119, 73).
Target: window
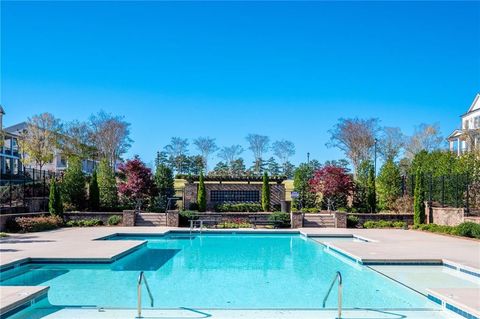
(235, 196)
(476, 122)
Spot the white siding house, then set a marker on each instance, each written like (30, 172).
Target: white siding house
(467, 138)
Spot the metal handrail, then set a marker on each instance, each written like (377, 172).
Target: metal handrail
(338, 276)
(142, 278)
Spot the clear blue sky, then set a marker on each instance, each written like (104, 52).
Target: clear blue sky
(225, 69)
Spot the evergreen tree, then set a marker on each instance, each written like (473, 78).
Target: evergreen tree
(288, 170)
(265, 193)
(55, 204)
(272, 167)
(201, 195)
(389, 185)
(419, 199)
(93, 193)
(73, 185)
(258, 167)
(107, 186)
(165, 184)
(301, 184)
(161, 158)
(221, 169)
(364, 200)
(371, 191)
(237, 167)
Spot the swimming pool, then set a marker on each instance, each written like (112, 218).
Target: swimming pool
(219, 271)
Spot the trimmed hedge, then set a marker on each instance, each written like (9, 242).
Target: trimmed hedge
(284, 218)
(114, 220)
(384, 224)
(36, 224)
(352, 221)
(85, 223)
(240, 207)
(185, 215)
(467, 229)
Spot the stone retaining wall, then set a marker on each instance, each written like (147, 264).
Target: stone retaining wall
(103, 216)
(449, 216)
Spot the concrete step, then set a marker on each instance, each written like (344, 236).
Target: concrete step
(150, 219)
(318, 220)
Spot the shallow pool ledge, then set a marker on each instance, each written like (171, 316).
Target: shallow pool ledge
(463, 301)
(15, 297)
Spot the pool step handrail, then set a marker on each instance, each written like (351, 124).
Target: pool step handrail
(338, 276)
(142, 279)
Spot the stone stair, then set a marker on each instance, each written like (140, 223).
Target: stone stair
(319, 220)
(150, 219)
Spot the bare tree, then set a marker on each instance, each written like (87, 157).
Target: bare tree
(258, 144)
(283, 150)
(75, 140)
(355, 137)
(205, 146)
(391, 143)
(110, 135)
(230, 153)
(426, 137)
(39, 140)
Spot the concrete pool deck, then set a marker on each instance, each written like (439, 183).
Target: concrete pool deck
(385, 245)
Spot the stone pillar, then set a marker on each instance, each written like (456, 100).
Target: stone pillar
(172, 218)
(296, 219)
(340, 219)
(129, 218)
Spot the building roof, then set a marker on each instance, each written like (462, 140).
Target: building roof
(454, 135)
(17, 128)
(475, 105)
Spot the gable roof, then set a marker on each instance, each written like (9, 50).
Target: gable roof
(475, 105)
(17, 128)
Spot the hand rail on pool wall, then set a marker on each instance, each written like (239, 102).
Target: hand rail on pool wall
(338, 276)
(141, 279)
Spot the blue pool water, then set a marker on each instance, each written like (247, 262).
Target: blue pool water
(256, 271)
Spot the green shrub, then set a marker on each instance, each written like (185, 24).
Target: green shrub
(384, 224)
(468, 229)
(85, 223)
(55, 204)
(2, 234)
(73, 185)
(239, 207)
(185, 216)
(234, 224)
(35, 224)
(265, 193)
(193, 206)
(107, 186)
(202, 195)
(310, 210)
(419, 199)
(114, 220)
(352, 221)
(282, 218)
(93, 193)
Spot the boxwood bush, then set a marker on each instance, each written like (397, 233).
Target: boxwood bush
(185, 216)
(85, 223)
(384, 224)
(239, 207)
(352, 221)
(282, 218)
(114, 220)
(467, 229)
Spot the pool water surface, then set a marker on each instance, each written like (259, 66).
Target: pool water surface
(225, 271)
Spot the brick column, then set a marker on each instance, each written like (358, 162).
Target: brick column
(172, 218)
(340, 220)
(129, 218)
(296, 219)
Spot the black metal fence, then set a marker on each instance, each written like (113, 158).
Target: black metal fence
(456, 190)
(16, 190)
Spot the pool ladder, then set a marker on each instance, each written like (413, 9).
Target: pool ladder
(142, 279)
(338, 276)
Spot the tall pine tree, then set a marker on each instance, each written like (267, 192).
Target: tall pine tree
(265, 193)
(201, 195)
